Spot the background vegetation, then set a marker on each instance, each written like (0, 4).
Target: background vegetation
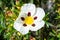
(9, 11)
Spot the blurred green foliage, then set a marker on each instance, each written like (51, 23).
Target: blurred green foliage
(9, 11)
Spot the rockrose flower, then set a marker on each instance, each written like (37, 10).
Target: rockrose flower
(30, 18)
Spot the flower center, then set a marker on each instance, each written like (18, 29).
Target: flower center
(29, 20)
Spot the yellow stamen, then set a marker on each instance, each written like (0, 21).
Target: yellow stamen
(29, 20)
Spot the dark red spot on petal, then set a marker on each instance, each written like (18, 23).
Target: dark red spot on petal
(33, 25)
(24, 25)
(22, 18)
(35, 17)
(29, 14)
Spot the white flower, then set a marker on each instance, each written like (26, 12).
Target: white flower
(30, 18)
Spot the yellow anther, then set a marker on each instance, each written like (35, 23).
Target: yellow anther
(29, 20)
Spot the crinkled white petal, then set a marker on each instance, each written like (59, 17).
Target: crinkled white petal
(40, 14)
(18, 22)
(21, 15)
(28, 8)
(24, 30)
(17, 25)
(38, 25)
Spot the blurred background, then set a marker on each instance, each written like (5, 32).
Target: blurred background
(9, 11)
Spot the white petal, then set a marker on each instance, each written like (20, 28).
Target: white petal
(40, 14)
(24, 30)
(28, 8)
(17, 25)
(38, 25)
(21, 15)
